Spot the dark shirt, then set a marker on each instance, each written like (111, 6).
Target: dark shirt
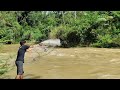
(21, 52)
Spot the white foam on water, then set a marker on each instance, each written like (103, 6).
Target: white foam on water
(72, 55)
(114, 60)
(60, 55)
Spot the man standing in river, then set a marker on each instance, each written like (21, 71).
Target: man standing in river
(20, 58)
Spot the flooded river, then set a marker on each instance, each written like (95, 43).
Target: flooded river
(73, 63)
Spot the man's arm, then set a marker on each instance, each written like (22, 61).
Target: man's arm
(30, 48)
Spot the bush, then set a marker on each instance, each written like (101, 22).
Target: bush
(58, 32)
(104, 41)
(8, 41)
(73, 38)
(107, 41)
(98, 45)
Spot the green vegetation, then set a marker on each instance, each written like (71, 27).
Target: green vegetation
(74, 28)
(7, 57)
(3, 64)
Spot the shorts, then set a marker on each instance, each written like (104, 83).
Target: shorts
(19, 65)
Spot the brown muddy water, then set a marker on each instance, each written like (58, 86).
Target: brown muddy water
(69, 63)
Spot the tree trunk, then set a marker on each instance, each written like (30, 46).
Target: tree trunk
(63, 17)
(75, 14)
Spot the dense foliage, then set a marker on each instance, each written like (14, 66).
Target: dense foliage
(73, 28)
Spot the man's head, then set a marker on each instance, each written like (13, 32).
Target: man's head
(22, 42)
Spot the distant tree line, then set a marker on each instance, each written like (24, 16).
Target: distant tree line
(73, 28)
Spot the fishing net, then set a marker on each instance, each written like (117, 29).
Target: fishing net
(39, 51)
